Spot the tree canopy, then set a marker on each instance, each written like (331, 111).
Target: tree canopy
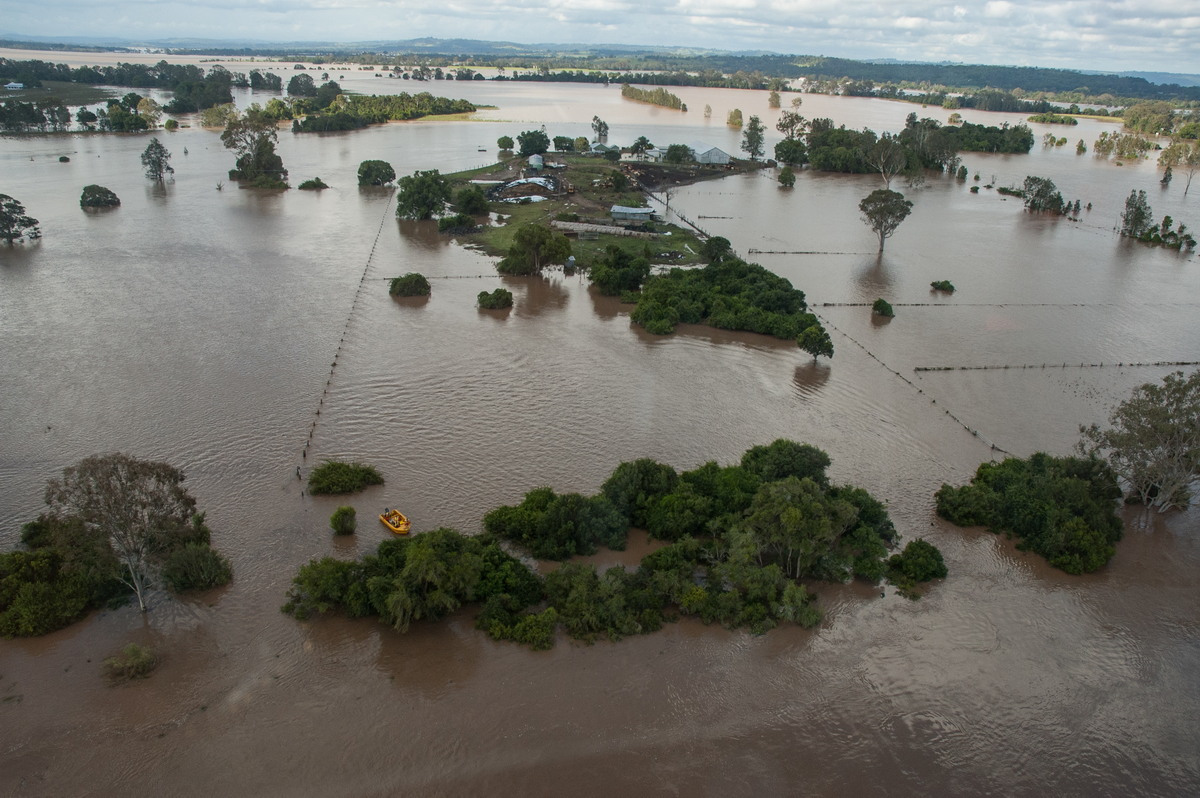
(534, 247)
(422, 195)
(884, 210)
(375, 173)
(15, 224)
(156, 160)
(139, 507)
(1153, 441)
(753, 137)
(1062, 508)
(252, 138)
(532, 142)
(94, 196)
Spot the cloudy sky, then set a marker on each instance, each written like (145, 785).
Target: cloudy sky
(1085, 34)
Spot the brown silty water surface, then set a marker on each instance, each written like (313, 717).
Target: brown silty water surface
(199, 326)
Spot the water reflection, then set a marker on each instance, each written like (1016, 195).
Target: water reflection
(542, 294)
(874, 278)
(432, 658)
(810, 377)
(606, 307)
(158, 189)
(423, 235)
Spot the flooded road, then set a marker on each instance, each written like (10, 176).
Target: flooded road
(200, 326)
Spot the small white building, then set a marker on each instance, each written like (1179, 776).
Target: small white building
(14, 86)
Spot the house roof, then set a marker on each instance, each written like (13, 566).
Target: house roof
(627, 209)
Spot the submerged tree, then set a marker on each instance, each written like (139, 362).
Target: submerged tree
(15, 225)
(375, 173)
(252, 137)
(753, 137)
(815, 340)
(1153, 442)
(1182, 155)
(534, 247)
(884, 210)
(95, 196)
(157, 160)
(888, 157)
(600, 129)
(139, 506)
(422, 194)
(1137, 217)
(1042, 195)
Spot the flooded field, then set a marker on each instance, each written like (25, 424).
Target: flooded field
(199, 326)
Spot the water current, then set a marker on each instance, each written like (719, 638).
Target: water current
(201, 326)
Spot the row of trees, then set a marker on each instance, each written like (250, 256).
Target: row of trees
(658, 96)
(923, 144)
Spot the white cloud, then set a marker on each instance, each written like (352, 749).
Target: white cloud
(1113, 34)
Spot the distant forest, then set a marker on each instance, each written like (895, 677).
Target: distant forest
(734, 70)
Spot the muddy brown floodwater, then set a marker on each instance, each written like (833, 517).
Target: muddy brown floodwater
(199, 326)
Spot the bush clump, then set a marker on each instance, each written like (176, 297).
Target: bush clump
(495, 300)
(336, 476)
(196, 566)
(98, 197)
(313, 184)
(134, 662)
(942, 285)
(919, 562)
(1063, 508)
(471, 201)
(411, 284)
(344, 520)
(882, 308)
(743, 536)
(375, 173)
(729, 294)
(457, 223)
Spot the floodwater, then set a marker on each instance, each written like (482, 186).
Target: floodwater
(201, 326)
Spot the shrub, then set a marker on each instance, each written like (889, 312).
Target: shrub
(314, 184)
(883, 308)
(411, 284)
(343, 521)
(458, 223)
(496, 300)
(336, 476)
(195, 566)
(134, 662)
(920, 562)
(375, 173)
(63, 159)
(1062, 508)
(942, 285)
(171, 124)
(98, 197)
(471, 201)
